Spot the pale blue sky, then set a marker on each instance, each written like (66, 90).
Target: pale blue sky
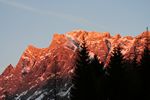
(24, 22)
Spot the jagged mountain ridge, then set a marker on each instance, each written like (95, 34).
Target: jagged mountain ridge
(36, 67)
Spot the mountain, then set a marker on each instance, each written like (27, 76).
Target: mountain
(46, 72)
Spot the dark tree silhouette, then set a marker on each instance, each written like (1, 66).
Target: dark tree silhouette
(115, 71)
(97, 80)
(145, 69)
(79, 79)
(89, 80)
(132, 82)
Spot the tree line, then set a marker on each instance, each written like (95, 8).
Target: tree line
(121, 79)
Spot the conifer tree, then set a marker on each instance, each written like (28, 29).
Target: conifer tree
(132, 80)
(97, 79)
(79, 79)
(145, 69)
(115, 71)
(145, 60)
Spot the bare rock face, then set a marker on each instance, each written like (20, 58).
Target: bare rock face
(39, 69)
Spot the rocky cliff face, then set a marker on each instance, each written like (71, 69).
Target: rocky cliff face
(43, 72)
